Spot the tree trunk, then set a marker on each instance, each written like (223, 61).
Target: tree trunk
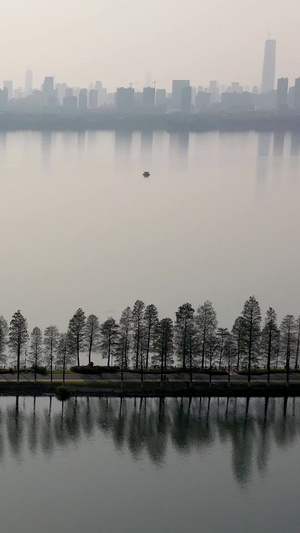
(108, 354)
(297, 352)
(148, 347)
(203, 350)
(18, 361)
(191, 363)
(64, 366)
(269, 355)
(142, 375)
(250, 352)
(122, 369)
(184, 348)
(90, 352)
(78, 349)
(51, 362)
(229, 370)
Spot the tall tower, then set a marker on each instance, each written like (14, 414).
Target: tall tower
(268, 74)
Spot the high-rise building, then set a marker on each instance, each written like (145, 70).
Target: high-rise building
(9, 86)
(235, 86)
(186, 99)
(61, 91)
(82, 99)
(28, 82)
(297, 95)
(148, 97)
(268, 74)
(282, 93)
(3, 98)
(202, 100)
(101, 93)
(69, 101)
(124, 98)
(160, 100)
(214, 91)
(93, 99)
(48, 86)
(177, 86)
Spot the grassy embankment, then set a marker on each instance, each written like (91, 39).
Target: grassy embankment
(151, 389)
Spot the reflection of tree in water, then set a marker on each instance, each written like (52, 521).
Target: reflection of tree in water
(146, 426)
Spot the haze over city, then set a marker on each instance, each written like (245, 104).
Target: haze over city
(120, 42)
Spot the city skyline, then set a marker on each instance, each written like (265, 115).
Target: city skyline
(148, 78)
(203, 41)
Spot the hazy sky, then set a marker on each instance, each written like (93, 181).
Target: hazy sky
(119, 41)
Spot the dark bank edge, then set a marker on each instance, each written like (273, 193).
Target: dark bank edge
(151, 390)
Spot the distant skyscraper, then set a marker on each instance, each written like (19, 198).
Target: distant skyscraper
(282, 93)
(83, 99)
(28, 82)
(93, 99)
(268, 74)
(297, 95)
(148, 97)
(186, 99)
(177, 86)
(9, 86)
(214, 91)
(160, 100)
(124, 99)
(48, 86)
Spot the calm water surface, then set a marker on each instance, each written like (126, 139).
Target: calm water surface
(218, 219)
(149, 465)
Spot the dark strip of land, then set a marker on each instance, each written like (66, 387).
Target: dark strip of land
(83, 386)
(139, 121)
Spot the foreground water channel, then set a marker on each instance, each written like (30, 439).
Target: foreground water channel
(217, 219)
(108, 464)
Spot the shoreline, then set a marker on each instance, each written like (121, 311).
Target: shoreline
(127, 123)
(151, 389)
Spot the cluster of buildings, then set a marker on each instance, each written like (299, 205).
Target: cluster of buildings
(184, 97)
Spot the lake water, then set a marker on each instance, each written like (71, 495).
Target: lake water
(149, 465)
(218, 219)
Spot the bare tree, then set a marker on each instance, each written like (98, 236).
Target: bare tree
(150, 323)
(76, 334)
(238, 337)
(137, 330)
(17, 337)
(297, 325)
(184, 332)
(122, 353)
(287, 342)
(222, 334)
(269, 339)
(206, 320)
(92, 335)
(65, 356)
(163, 345)
(51, 339)
(3, 339)
(251, 330)
(109, 331)
(229, 353)
(36, 349)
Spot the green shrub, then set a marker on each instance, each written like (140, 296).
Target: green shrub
(40, 370)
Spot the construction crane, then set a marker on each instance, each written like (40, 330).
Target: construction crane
(155, 82)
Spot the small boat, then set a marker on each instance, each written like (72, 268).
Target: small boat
(146, 174)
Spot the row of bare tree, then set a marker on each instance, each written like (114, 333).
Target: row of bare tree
(140, 340)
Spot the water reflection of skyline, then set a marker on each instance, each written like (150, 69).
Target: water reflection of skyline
(148, 427)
